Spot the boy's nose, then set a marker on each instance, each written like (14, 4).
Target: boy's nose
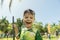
(28, 19)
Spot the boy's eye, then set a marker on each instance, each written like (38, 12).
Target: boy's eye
(31, 17)
(26, 17)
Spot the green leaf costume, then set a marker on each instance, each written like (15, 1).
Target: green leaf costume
(30, 34)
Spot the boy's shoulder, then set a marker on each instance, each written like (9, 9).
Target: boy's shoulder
(35, 30)
(24, 29)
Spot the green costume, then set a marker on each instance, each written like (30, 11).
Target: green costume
(30, 34)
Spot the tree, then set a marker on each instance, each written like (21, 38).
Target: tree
(54, 27)
(45, 28)
(39, 26)
(3, 24)
(10, 4)
(19, 24)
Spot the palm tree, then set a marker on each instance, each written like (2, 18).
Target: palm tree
(3, 24)
(19, 24)
(10, 4)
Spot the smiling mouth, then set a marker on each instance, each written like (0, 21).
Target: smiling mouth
(28, 22)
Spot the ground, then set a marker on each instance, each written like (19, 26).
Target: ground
(43, 39)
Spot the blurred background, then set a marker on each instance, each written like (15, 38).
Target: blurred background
(47, 17)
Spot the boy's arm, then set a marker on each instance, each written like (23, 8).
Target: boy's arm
(38, 36)
(16, 31)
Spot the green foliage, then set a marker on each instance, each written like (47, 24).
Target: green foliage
(39, 26)
(3, 24)
(6, 26)
(19, 24)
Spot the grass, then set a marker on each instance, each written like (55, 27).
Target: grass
(7, 39)
(16, 39)
(53, 37)
(44, 38)
(50, 39)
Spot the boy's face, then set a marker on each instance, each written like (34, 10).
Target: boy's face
(28, 19)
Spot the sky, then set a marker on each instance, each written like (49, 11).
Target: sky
(46, 11)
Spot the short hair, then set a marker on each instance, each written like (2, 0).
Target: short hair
(29, 11)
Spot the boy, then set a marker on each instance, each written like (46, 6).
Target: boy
(28, 32)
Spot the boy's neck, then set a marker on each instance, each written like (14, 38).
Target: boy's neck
(28, 27)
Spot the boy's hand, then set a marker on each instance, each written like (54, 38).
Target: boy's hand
(15, 26)
(16, 30)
